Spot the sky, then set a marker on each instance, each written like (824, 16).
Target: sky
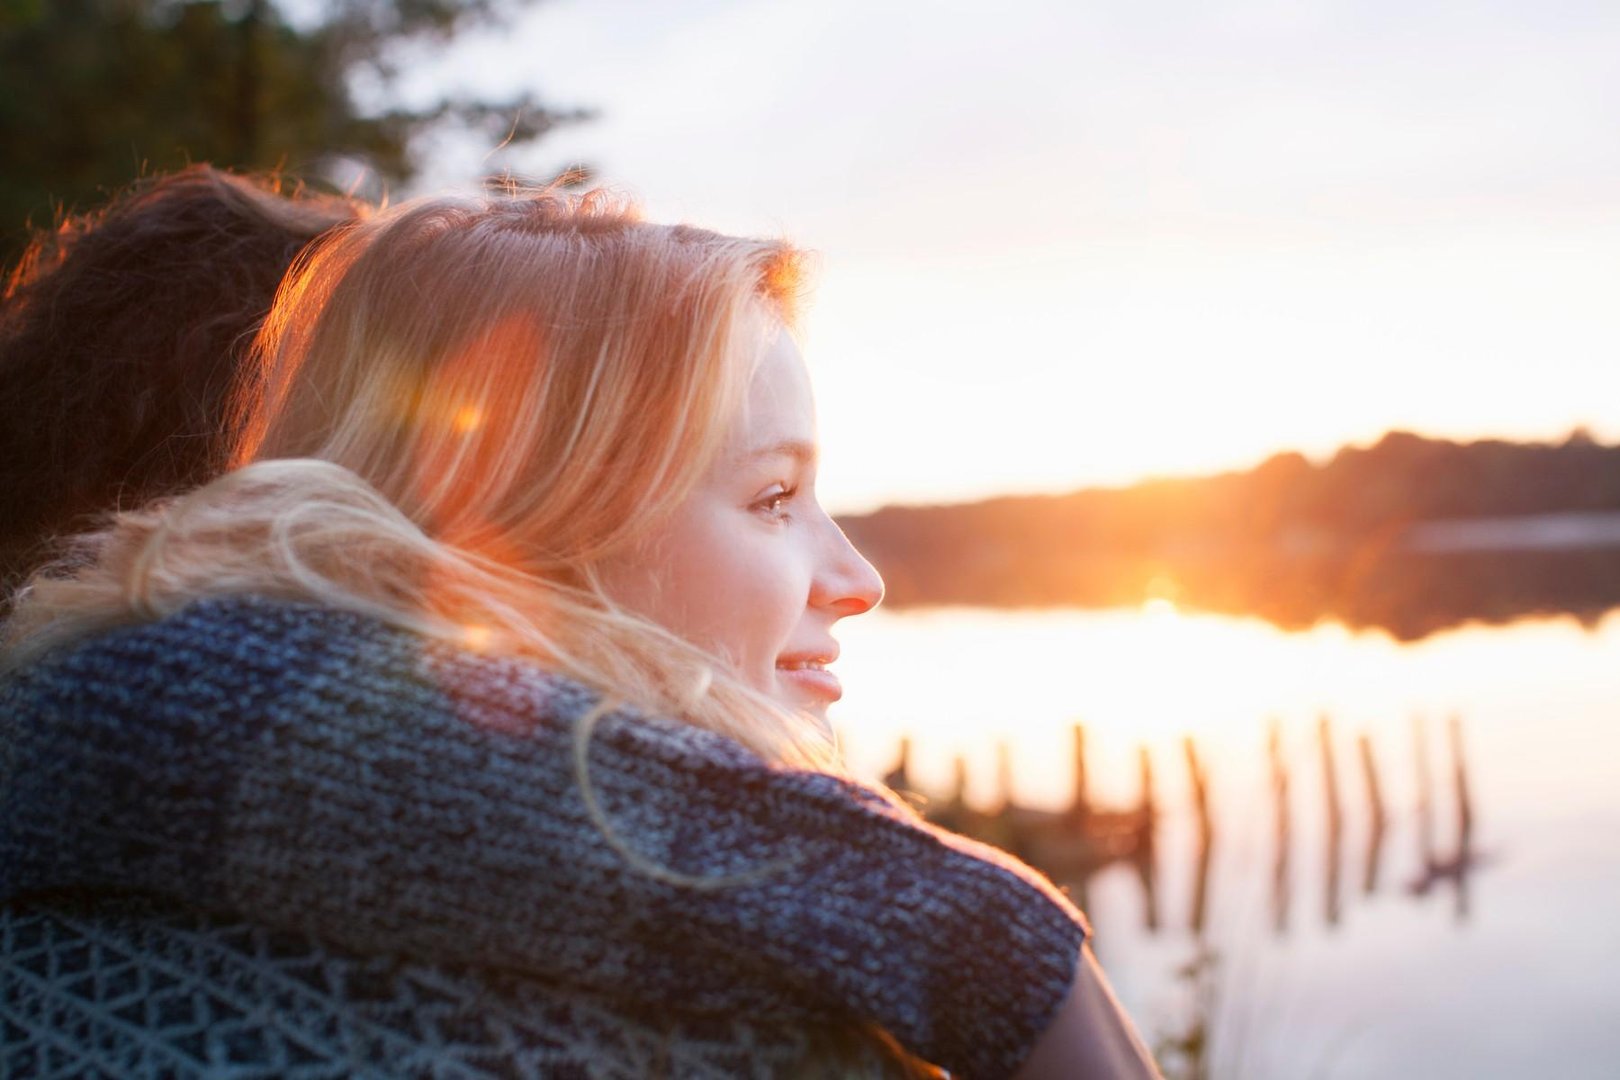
(1064, 244)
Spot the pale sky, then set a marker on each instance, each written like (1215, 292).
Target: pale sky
(1072, 243)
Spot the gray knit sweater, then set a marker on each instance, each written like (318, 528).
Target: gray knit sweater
(314, 771)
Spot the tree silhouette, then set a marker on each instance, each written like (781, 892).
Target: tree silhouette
(94, 93)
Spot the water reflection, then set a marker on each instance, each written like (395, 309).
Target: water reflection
(1261, 946)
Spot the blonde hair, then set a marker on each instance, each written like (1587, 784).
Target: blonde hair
(462, 406)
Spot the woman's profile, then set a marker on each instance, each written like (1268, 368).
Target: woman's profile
(502, 649)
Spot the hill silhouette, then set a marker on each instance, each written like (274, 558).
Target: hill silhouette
(1410, 534)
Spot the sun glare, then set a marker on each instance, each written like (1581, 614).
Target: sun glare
(468, 419)
(1160, 599)
(1160, 607)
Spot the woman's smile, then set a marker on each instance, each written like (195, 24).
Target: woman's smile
(809, 677)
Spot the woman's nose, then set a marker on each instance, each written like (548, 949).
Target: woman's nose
(846, 583)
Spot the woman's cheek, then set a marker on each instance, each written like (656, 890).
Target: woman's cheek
(770, 610)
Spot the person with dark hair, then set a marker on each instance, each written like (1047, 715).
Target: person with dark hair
(122, 337)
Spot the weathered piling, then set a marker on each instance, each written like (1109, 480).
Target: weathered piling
(1198, 780)
(1425, 793)
(1369, 771)
(1073, 843)
(1376, 819)
(954, 813)
(1456, 866)
(1330, 775)
(1335, 820)
(1282, 830)
(1144, 768)
(1080, 801)
(1004, 773)
(1459, 769)
(898, 779)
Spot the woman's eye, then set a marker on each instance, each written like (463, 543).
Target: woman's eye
(775, 502)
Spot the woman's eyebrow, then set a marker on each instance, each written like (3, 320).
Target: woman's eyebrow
(804, 452)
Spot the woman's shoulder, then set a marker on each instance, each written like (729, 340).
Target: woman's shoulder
(247, 681)
(240, 650)
(230, 630)
(264, 633)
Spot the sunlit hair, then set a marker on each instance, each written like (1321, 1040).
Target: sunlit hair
(123, 333)
(460, 408)
(464, 406)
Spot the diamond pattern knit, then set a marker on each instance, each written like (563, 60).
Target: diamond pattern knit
(131, 987)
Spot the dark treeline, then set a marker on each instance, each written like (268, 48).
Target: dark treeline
(1289, 540)
(97, 93)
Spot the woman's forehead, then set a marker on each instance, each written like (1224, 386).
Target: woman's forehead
(778, 416)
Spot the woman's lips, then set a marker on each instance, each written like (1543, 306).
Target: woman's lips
(816, 683)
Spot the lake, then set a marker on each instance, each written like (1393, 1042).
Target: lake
(1330, 952)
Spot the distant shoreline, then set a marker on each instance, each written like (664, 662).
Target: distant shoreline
(1412, 535)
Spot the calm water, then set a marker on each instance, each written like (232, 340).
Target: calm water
(1312, 960)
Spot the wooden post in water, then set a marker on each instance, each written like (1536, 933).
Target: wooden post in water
(1279, 793)
(959, 780)
(954, 814)
(1456, 866)
(1146, 856)
(1465, 816)
(1369, 769)
(1144, 769)
(1465, 805)
(1330, 776)
(1377, 819)
(1199, 783)
(1335, 817)
(1004, 774)
(898, 779)
(1080, 803)
(1425, 799)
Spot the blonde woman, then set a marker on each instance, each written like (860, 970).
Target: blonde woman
(496, 671)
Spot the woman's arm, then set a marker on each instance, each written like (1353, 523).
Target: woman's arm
(1090, 1036)
(315, 770)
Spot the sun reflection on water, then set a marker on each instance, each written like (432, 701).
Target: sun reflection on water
(1326, 905)
(960, 680)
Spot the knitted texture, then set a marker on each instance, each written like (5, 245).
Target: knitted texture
(131, 987)
(316, 771)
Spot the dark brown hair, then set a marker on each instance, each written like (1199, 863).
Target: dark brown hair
(122, 338)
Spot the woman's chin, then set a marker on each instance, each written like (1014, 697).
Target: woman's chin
(808, 705)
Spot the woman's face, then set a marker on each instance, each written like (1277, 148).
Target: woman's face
(750, 566)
